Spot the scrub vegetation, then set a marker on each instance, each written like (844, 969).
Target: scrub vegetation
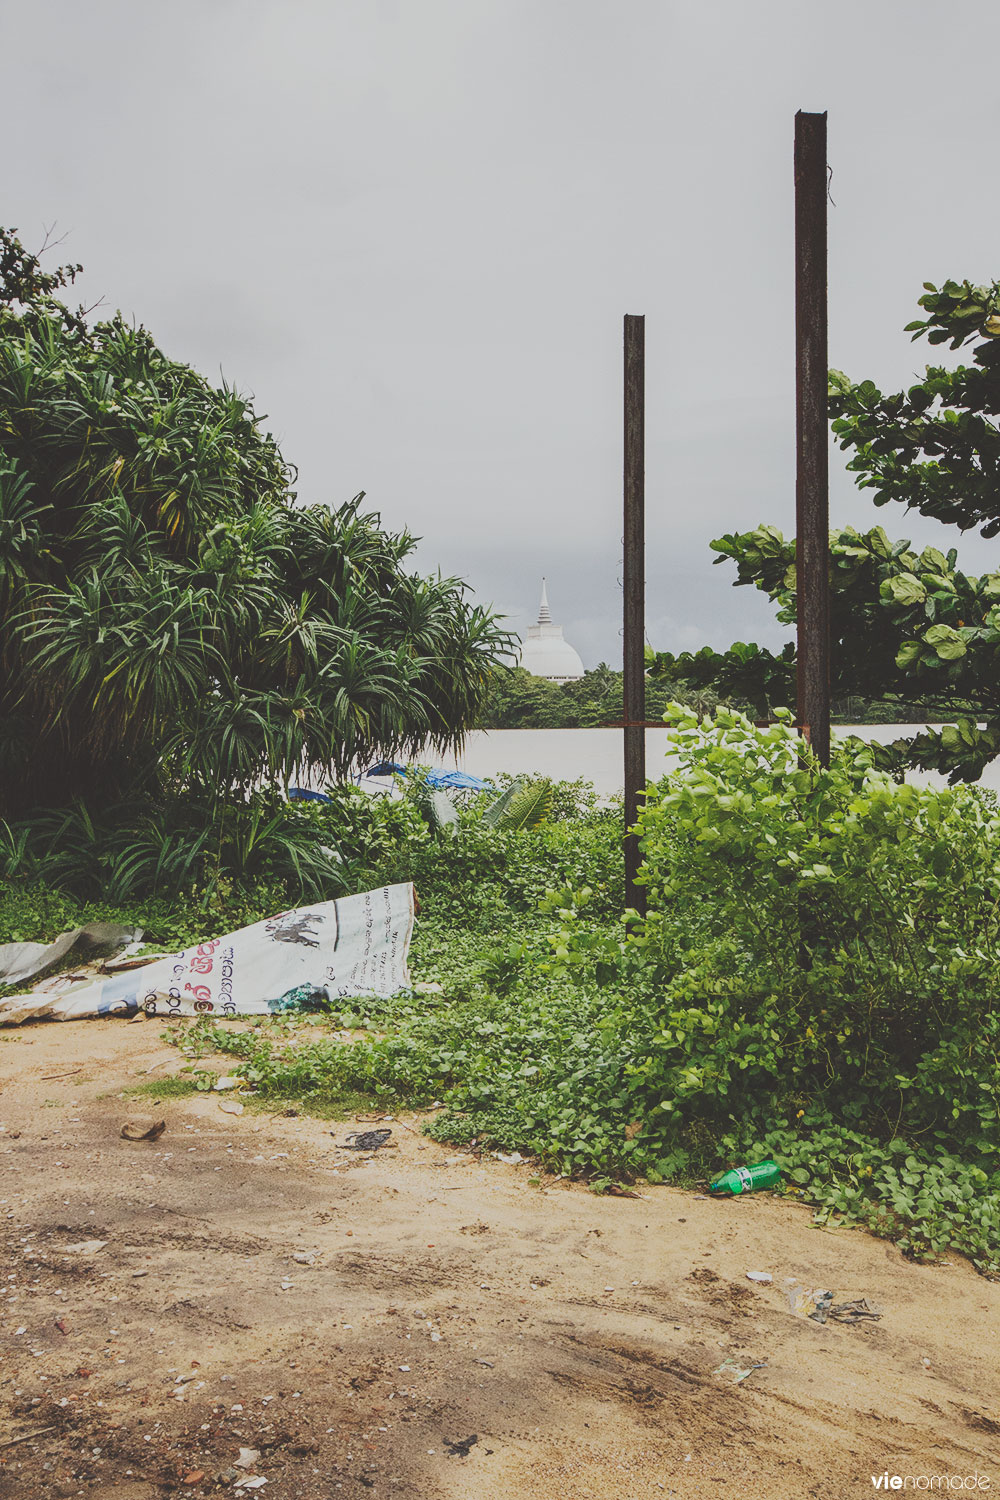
(817, 975)
(816, 979)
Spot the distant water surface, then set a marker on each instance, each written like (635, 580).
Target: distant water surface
(596, 754)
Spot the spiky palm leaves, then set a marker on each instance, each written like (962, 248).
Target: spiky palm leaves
(170, 618)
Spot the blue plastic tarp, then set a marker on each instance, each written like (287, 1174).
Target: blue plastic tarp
(456, 781)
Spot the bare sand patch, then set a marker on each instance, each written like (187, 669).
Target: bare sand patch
(437, 1296)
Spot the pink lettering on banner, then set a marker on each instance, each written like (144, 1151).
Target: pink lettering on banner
(204, 957)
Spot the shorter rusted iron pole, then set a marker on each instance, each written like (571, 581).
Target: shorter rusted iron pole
(812, 495)
(634, 588)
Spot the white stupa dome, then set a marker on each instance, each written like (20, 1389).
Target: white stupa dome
(544, 653)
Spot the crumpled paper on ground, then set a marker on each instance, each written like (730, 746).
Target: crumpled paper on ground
(20, 962)
(313, 955)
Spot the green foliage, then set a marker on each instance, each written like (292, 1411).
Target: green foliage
(529, 807)
(912, 629)
(172, 621)
(901, 621)
(823, 949)
(816, 980)
(519, 700)
(34, 912)
(927, 1199)
(746, 672)
(483, 879)
(186, 845)
(890, 891)
(935, 447)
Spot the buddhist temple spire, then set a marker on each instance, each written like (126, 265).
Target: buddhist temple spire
(544, 652)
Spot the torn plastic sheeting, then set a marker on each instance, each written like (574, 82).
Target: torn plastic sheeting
(326, 951)
(807, 1302)
(737, 1372)
(22, 961)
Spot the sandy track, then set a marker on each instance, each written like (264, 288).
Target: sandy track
(575, 1336)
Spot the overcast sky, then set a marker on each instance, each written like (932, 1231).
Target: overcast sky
(411, 228)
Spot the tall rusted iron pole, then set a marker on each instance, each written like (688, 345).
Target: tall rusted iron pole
(812, 494)
(634, 589)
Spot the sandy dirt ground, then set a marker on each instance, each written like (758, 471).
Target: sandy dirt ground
(424, 1324)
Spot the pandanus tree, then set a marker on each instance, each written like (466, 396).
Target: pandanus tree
(170, 617)
(905, 625)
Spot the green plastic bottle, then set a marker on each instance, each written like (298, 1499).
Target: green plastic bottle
(763, 1174)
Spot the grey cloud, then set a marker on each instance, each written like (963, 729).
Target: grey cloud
(412, 231)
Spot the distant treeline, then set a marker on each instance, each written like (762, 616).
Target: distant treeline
(522, 701)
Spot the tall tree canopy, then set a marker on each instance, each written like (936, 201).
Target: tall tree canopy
(169, 617)
(904, 625)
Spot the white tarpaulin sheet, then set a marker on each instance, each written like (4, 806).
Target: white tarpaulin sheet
(331, 949)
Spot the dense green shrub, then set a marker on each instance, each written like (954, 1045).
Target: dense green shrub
(180, 847)
(172, 619)
(836, 932)
(817, 978)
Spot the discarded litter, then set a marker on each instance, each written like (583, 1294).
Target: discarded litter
(736, 1372)
(461, 1448)
(365, 1140)
(762, 1174)
(248, 1457)
(761, 1277)
(231, 1106)
(330, 950)
(818, 1304)
(512, 1158)
(855, 1312)
(23, 961)
(85, 1247)
(808, 1302)
(139, 1130)
(256, 1483)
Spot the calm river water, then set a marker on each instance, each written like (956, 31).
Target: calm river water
(596, 754)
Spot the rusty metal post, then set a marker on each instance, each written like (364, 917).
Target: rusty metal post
(812, 495)
(634, 589)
